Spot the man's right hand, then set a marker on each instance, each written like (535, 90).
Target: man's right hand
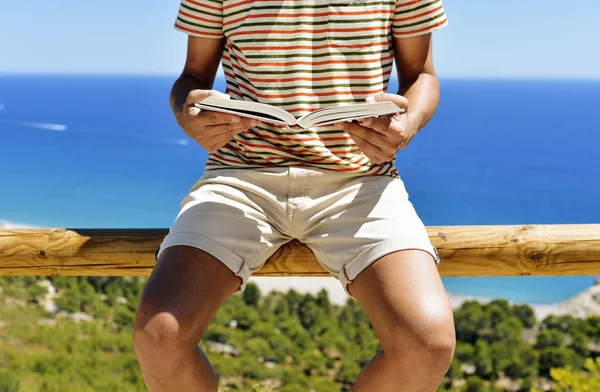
(212, 130)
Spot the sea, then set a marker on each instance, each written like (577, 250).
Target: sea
(103, 151)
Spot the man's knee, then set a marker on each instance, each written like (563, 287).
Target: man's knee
(431, 345)
(160, 337)
(178, 303)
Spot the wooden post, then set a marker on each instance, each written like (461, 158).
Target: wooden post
(532, 250)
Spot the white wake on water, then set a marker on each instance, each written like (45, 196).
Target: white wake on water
(165, 140)
(65, 127)
(179, 142)
(38, 125)
(48, 126)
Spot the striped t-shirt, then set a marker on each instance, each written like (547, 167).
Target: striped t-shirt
(302, 55)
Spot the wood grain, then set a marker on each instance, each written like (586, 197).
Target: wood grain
(523, 250)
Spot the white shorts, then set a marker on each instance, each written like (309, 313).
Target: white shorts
(242, 216)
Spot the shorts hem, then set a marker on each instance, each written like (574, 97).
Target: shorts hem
(231, 260)
(358, 264)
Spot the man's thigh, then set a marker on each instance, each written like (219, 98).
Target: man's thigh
(233, 216)
(185, 290)
(404, 296)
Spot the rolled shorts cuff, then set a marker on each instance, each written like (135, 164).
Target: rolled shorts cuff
(376, 252)
(232, 261)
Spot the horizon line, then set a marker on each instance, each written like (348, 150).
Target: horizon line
(392, 77)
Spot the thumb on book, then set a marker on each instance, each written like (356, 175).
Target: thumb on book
(398, 100)
(218, 94)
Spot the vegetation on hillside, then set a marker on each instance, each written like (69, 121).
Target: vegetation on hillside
(277, 342)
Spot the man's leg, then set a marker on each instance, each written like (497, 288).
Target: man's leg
(411, 314)
(183, 294)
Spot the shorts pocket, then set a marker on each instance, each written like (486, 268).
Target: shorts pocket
(359, 23)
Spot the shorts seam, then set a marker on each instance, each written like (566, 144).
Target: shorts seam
(268, 247)
(318, 245)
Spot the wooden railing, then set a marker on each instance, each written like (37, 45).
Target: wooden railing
(530, 250)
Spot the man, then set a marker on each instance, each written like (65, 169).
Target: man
(334, 188)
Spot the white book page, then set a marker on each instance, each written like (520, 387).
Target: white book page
(255, 110)
(269, 120)
(335, 114)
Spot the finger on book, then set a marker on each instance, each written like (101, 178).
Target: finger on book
(366, 134)
(214, 118)
(227, 127)
(379, 124)
(373, 152)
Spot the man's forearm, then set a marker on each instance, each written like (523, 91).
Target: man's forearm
(181, 89)
(423, 95)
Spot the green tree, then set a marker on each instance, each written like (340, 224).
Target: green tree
(309, 312)
(294, 387)
(501, 356)
(527, 384)
(124, 318)
(475, 384)
(526, 314)
(323, 301)
(348, 372)
(293, 298)
(258, 347)
(251, 368)
(465, 352)
(455, 372)
(523, 364)
(565, 323)
(556, 357)
(549, 338)
(34, 291)
(580, 344)
(320, 384)
(592, 327)
(313, 363)
(251, 294)
(245, 316)
(508, 331)
(69, 300)
(497, 310)
(484, 366)
(281, 348)
(470, 319)
(292, 328)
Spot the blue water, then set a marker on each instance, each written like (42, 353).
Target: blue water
(99, 151)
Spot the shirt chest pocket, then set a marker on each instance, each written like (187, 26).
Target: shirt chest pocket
(359, 23)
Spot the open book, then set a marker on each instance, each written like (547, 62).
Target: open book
(274, 115)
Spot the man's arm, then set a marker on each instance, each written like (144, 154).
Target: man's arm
(381, 138)
(211, 130)
(201, 64)
(417, 79)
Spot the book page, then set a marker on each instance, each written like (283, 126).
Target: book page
(358, 111)
(255, 110)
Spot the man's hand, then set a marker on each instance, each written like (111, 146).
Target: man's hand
(381, 138)
(212, 130)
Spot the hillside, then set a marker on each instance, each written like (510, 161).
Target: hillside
(80, 340)
(584, 304)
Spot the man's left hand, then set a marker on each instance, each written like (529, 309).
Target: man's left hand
(382, 137)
